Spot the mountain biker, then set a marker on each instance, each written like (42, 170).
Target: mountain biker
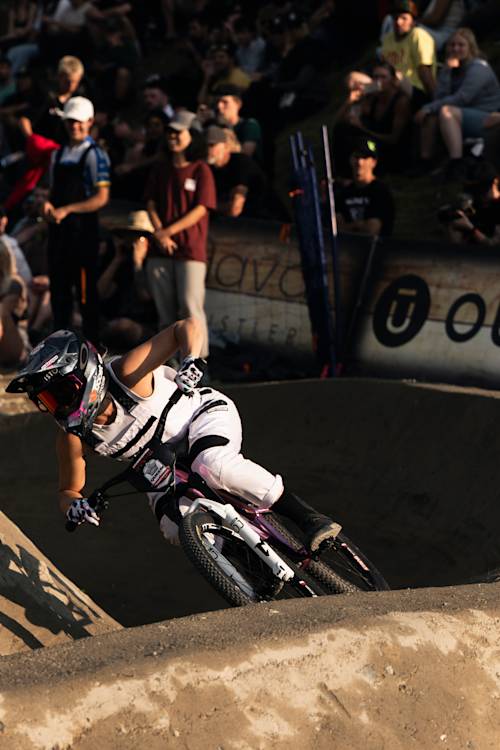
(132, 407)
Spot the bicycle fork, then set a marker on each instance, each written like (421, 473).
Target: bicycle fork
(249, 535)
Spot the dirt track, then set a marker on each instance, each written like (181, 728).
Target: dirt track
(388, 671)
(412, 474)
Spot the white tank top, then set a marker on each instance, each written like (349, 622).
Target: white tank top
(126, 425)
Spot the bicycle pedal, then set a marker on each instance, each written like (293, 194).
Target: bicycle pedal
(326, 545)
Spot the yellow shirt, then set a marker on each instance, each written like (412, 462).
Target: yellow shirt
(406, 55)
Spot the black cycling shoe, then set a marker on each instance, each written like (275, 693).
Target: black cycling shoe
(320, 530)
(316, 527)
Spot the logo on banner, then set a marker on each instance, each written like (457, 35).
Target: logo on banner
(401, 311)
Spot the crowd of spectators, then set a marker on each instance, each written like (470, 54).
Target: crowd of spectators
(176, 105)
(429, 105)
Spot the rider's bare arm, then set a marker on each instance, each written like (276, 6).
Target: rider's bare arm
(134, 368)
(71, 462)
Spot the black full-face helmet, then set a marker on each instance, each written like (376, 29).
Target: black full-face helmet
(64, 375)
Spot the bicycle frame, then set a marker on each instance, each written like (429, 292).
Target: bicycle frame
(255, 516)
(247, 522)
(247, 533)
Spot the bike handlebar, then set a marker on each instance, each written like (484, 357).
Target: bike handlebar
(98, 498)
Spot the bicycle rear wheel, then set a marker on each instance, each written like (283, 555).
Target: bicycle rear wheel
(233, 568)
(341, 569)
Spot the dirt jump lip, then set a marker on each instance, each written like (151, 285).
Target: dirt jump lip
(374, 670)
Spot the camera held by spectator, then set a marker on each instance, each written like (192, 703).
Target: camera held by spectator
(479, 224)
(463, 206)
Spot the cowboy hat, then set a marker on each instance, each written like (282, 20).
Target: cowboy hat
(138, 222)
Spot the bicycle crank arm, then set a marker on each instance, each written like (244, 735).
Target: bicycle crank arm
(278, 566)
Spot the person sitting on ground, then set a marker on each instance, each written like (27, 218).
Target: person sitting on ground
(356, 84)
(366, 205)
(240, 182)
(412, 52)
(480, 224)
(105, 407)
(467, 92)
(13, 307)
(125, 300)
(385, 118)
(440, 19)
(383, 115)
(247, 130)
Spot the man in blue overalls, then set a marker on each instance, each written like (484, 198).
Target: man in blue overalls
(79, 187)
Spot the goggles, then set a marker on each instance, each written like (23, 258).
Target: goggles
(62, 397)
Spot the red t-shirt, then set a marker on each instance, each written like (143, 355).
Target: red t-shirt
(177, 190)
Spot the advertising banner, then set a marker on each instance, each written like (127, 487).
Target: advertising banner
(431, 312)
(255, 286)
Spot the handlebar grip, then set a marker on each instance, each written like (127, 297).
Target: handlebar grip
(71, 526)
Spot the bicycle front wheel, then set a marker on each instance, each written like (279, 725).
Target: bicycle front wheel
(233, 568)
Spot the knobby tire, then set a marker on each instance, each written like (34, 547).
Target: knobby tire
(191, 533)
(324, 570)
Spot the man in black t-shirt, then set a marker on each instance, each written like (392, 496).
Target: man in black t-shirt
(240, 182)
(365, 205)
(48, 121)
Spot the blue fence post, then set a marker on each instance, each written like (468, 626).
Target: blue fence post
(338, 324)
(307, 210)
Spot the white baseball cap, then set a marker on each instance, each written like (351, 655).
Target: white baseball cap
(78, 108)
(182, 120)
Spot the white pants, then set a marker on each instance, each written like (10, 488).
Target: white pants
(224, 467)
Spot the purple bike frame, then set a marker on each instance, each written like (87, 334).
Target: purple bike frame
(255, 516)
